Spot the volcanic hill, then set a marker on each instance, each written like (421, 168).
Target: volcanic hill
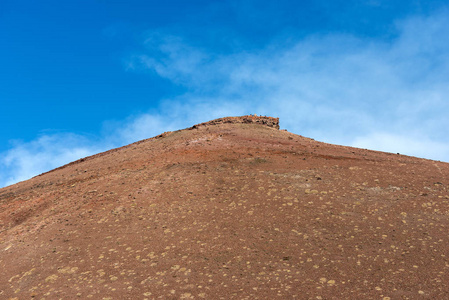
(229, 209)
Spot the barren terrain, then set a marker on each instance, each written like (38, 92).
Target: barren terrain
(229, 209)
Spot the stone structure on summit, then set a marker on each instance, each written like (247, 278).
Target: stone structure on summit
(249, 119)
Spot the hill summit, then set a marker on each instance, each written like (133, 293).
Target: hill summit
(229, 209)
(250, 119)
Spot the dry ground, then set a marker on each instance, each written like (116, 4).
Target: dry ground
(229, 211)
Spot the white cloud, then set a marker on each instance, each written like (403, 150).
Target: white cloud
(414, 146)
(333, 87)
(47, 152)
(140, 127)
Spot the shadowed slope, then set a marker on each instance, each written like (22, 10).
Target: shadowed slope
(229, 210)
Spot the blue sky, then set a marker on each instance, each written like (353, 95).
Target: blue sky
(80, 77)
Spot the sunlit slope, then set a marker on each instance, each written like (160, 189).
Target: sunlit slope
(229, 209)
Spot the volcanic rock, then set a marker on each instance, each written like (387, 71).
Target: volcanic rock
(229, 209)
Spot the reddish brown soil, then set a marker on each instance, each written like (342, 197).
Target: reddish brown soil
(229, 210)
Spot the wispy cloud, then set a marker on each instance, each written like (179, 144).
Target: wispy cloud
(414, 146)
(25, 160)
(335, 87)
(389, 95)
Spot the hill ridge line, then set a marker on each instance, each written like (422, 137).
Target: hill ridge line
(247, 119)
